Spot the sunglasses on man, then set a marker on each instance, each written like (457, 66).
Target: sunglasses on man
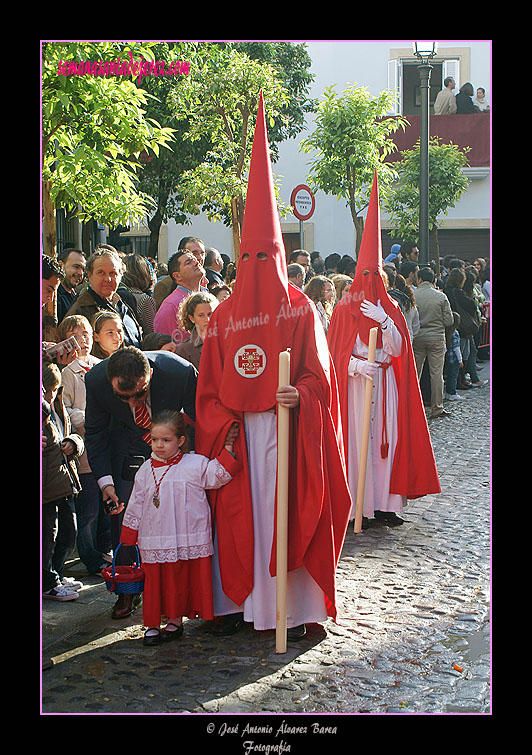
(129, 396)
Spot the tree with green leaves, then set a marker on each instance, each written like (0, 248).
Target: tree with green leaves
(161, 175)
(94, 129)
(447, 183)
(349, 143)
(219, 99)
(292, 63)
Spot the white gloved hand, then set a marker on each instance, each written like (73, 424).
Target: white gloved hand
(373, 311)
(362, 367)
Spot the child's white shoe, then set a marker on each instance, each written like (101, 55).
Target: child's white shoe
(60, 593)
(71, 584)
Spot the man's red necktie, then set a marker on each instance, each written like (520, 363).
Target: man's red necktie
(143, 419)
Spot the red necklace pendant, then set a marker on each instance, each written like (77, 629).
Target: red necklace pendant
(174, 460)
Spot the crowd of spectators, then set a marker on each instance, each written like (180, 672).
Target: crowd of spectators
(461, 103)
(111, 301)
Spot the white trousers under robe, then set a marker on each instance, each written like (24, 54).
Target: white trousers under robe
(305, 599)
(378, 473)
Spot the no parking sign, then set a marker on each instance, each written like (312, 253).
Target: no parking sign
(302, 202)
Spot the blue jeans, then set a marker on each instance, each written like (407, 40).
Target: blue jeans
(451, 376)
(94, 524)
(471, 364)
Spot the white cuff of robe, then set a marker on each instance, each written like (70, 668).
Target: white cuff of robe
(106, 480)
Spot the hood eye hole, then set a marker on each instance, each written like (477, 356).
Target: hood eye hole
(262, 256)
(365, 272)
(244, 257)
(376, 272)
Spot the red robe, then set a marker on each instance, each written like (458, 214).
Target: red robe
(414, 472)
(319, 498)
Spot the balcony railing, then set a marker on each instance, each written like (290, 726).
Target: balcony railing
(463, 130)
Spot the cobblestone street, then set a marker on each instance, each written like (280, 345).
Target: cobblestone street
(413, 635)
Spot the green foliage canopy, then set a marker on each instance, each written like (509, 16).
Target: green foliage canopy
(447, 183)
(219, 100)
(94, 128)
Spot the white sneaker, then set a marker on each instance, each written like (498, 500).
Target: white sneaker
(454, 397)
(71, 584)
(60, 593)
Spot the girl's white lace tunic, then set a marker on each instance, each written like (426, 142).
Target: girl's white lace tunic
(180, 528)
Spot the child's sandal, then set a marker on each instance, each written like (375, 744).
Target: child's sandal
(152, 639)
(172, 634)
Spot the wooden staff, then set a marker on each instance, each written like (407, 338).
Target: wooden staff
(363, 461)
(283, 419)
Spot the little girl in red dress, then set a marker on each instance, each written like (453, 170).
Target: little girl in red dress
(168, 515)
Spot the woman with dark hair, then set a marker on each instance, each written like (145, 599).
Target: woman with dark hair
(454, 283)
(470, 364)
(411, 312)
(464, 99)
(139, 279)
(456, 288)
(453, 290)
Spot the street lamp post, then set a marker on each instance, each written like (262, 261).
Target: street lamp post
(424, 51)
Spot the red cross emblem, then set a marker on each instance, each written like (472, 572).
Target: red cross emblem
(250, 361)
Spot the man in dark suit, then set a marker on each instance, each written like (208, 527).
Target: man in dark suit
(213, 266)
(123, 393)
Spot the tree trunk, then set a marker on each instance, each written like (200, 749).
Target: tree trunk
(154, 224)
(86, 230)
(48, 217)
(358, 222)
(49, 315)
(359, 229)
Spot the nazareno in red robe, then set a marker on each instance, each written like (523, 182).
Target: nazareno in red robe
(239, 373)
(414, 472)
(319, 498)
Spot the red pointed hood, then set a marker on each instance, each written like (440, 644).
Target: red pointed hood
(261, 291)
(368, 283)
(261, 227)
(370, 254)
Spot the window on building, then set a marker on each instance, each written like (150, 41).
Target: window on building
(403, 78)
(131, 244)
